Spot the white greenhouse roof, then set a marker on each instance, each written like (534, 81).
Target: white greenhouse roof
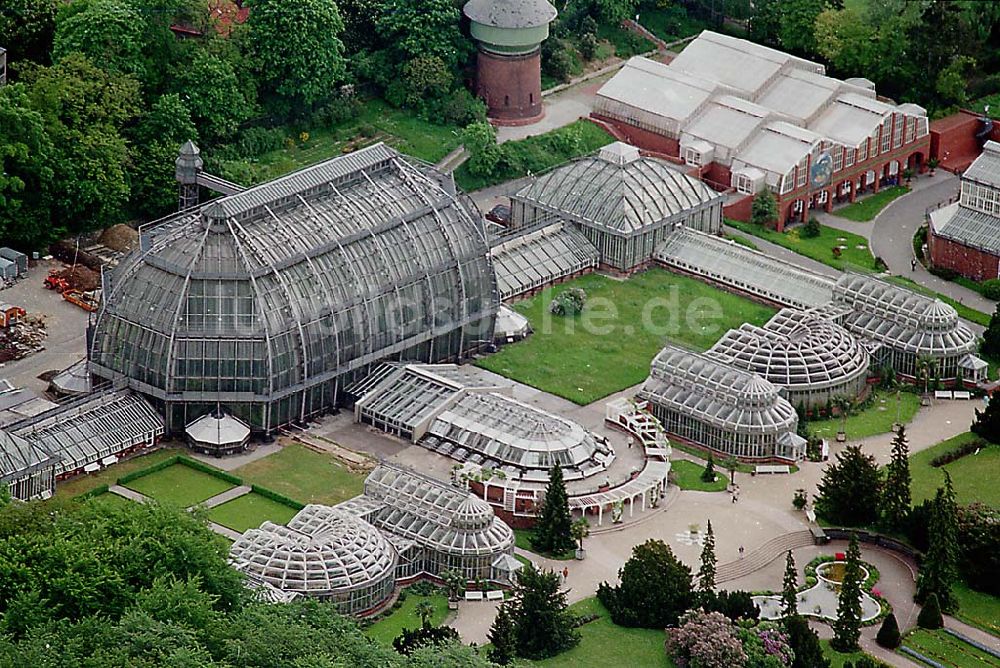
(728, 121)
(986, 168)
(541, 257)
(967, 226)
(800, 94)
(74, 380)
(217, 429)
(852, 118)
(20, 457)
(779, 147)
(657, 89)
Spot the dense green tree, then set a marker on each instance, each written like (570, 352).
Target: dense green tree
(27, 28)
(296, 51)
(844, 37)
(850, 490)
(979, 546)
(888, 634)
(708, 474)
(654, 589)
(218, 101)
(422, 78)
(930, 614)
(615, 11)
(410, 640)
(155, 141)
(706, 573)
(735, 605)
(987, 422)
(789, 588)
(805, 643)
(765, 22)
(421, 28)
(847, 626)
(896, 497)
(108, 32)
(26, 155)
(360, 19)
(939, 569)
(991, 337)
(503, 638)
(553, 532)
(798, 20)
(538, 607)
(764, 210)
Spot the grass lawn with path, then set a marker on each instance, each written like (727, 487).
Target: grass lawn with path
(837, 660)
(948, 650)
(856, 257)
(687, 475)
(108, 476)
(973, 475)
(179, 485)
(877, 418)
(522, 539)
(604, 643)
(250, 511)
(866, 209)
(386, 629)
(978, 609)
(304, 475)
(609, 346)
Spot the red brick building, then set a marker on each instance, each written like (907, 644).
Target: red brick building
(748, 117)
(965, 235)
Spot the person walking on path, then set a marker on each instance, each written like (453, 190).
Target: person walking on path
(913, 264)
(741, 551)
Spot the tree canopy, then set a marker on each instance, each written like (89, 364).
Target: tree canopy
(850, 490)
(655, 588)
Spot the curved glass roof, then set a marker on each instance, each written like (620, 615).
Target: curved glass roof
(902, 319)
(796, 349)
(715, 393)
(617, 189)
(322, 550)
(291, 283)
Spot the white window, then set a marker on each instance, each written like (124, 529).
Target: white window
(838, 158)
(803, 172)
(863, 151)
(911, 128)
(744, 184)
(897, 132)
(849, 157)
(886, 136)
(692, 157)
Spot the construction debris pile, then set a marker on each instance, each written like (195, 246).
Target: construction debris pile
(23, 338)
(79, 278)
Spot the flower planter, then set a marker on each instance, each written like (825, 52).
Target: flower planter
(841, 436)
(581, 554)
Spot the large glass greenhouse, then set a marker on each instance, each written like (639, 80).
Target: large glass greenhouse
(706, 402)
(810, 357)
(264, 304)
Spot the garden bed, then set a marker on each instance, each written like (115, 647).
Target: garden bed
(948, 650)
(388, 627)
(854, 256)
(179, 485)
(687, 475)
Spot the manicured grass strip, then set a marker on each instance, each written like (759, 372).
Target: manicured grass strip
(866, 209)
(970, 314)
(522, 539)
(973, 475)
(110, 475)
(536, 154)
(179, 485)
(948, 650)
(687, 475)
(250, 511)
(818, 248)
(303, 475)
(877, 418)
(838, 660)
(742, 241)
(603, 643)
(386, 629)
(110, 499)
(609, 346)
(978, 609)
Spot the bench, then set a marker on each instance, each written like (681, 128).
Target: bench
(473, 596)
(942, 394)
(772, 468)
(494, 595)
(961, 394)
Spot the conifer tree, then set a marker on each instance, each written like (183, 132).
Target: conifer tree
(888, 634)
(930, 615)
(542, 625)
(896, 497)
(847, 626)
(850, 490)
(706, 574)
(805, 643)
(503, 638)
(708, 475)
(789, 593)
(554, 528)
(987, 423)
(939, 570)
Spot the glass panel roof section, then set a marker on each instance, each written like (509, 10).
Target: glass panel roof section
(541, 257)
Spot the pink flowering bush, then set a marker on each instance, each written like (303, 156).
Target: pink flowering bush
(706, 640)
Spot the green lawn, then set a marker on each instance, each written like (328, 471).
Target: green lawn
(604, 644)
(389, 627)
(179, 485)
(536, 154)
(866, 209)
(84, 483)
(742, 241)
(837, 660)
(871, 420)
(109, 499)
(948, 650)
(304, 475)
(522, 539)
(978, 609)
(250, 511)
(974, 476)
(401, 129)
(687, 475)
(970, 314)
(608, 347)
(856, 257)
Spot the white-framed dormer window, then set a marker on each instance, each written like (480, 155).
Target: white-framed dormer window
(803, 172)
(849, 157)
(886, 135)
(744, 184)
(897, 132)
(863, 151)
(911, 129)
(692, 157)
(838, 158)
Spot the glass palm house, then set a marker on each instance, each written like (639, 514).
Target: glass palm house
(264, 304)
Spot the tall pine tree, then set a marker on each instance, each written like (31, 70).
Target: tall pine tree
(503, 638)
(939, 570)
(896, 490)
(553, 528)
(706, 574)
(789, 586)
(847, 626)
(538, 608)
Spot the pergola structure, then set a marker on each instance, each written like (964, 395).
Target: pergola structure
(267, 302)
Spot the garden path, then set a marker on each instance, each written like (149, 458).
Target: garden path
(228, 495)
(129, 494)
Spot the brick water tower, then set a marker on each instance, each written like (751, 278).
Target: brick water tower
(509, 35)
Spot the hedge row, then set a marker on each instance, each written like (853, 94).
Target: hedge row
(210, 470)
(97, 491)
(159, 466)
(279, 498)
(959, 452)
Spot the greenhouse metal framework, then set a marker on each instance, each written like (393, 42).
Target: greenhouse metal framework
(267, 302)
(706, 402)
(811, 358)
(622, 202)
(28, 471)
(534, 260)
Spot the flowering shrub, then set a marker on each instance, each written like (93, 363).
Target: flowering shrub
(706, 640)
